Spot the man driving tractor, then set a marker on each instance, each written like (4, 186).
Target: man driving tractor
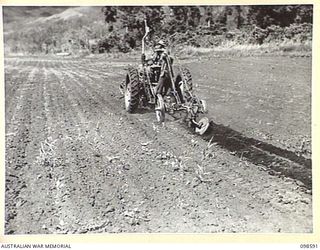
(164, 78)
(158, 50)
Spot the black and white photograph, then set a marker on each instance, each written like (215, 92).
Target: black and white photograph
(158, 119)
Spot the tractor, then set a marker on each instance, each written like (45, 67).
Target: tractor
(142, 86)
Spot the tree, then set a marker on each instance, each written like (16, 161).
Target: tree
(110, 13)
(281, 15)
(239, 18)
(208, 15)
(304, 14)
(194, 16)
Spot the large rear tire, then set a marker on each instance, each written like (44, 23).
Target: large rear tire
(160, 108)
(132, 90)
(187, 79)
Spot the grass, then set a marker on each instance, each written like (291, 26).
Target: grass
(47, 154)
(228, 48)
(235, 49)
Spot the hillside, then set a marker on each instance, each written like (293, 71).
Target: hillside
(25, 18)
(32, 29)
(22, 13)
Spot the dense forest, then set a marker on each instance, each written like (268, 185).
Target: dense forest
(120, 28)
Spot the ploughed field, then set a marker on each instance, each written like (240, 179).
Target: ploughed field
(76, 162)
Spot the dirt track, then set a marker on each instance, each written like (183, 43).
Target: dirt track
(76, 162)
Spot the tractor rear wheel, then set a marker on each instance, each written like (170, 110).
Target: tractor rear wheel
(187, 79)
(132, 90)
(160, 108)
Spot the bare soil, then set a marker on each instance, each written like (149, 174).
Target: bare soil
(76, 162)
